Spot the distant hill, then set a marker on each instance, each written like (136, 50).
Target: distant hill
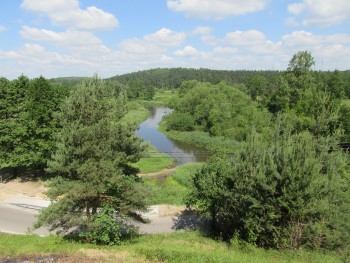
(173, 77)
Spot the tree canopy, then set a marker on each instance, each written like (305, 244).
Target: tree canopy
(92, 163)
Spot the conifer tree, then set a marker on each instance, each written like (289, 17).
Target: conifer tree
(92, 163)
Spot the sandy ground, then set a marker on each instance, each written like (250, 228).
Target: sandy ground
(36, 189)
(162, 173)
(16, 187)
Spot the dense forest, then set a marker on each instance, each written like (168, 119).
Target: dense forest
(285, 185)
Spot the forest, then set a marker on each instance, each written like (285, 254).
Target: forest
(278, 177)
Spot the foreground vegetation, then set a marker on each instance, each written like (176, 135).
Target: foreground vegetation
(174, 247)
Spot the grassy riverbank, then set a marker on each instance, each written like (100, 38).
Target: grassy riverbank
(200, 139)
(174, 247)
(172, 189)
(153, 161)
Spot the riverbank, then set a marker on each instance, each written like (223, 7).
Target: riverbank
(200, 139)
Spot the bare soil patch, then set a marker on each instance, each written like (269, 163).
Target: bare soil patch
(17, 187)
(162, 173)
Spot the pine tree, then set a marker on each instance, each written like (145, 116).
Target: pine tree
(286, 190)
(92, 161)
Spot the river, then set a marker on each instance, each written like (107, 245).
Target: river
(180, 151)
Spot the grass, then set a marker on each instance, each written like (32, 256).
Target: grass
(173, 189)
(174, 247)
(166, 191)
(136, 114)
(153, 161)
(185, 172)
(200, 139)
(161, 98)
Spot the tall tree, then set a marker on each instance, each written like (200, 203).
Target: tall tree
(42, 101)
(301, 62)
(13, 124)
(92, 163)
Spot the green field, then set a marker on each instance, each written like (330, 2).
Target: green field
(175, 247)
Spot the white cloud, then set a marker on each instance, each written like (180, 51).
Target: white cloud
(187, 51)
(245, 38)
(68, 13)
(81, 42)
(216, 9)
(74, 52)
(166, 37)
(2, 28)
(202, 30)
(225, 50)
(321, 12)
(157, 42)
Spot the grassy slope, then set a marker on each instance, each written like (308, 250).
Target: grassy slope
(174, 247)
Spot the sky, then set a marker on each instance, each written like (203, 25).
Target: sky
(61, 38)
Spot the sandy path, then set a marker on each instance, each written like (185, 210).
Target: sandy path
(16, 187)
(162, 173)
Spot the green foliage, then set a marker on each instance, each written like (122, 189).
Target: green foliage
(344, 117)
(221, 110)
(184, 173)
(108, 228)
(136, 89)
(27, 121)
(172, 78)
(301, 62)
(288, 190)
(92, 163)
(336, 85)
(257, 87)
(201, 139)
(180, 121)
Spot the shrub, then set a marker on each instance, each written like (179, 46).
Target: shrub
(179, 121)
(107, 228)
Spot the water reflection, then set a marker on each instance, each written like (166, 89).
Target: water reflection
(182, 152)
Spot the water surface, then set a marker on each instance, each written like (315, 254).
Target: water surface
(182, 152)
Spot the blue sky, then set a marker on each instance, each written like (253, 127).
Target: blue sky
(57, 38)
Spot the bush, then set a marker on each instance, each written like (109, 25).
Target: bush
(179, 121)
(107, 228)
(288, 190)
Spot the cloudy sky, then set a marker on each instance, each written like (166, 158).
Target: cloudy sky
(57, 38)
